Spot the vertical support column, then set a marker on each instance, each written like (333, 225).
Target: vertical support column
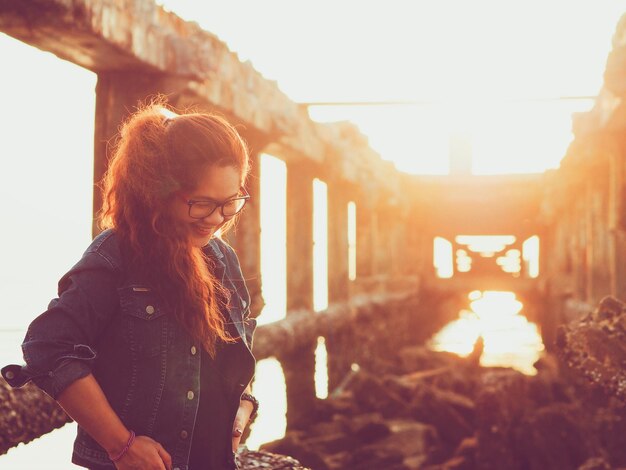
(376, 240)
(364, 238)
(589, 243)
(299, 368)
(246, 237)
(299, 238)
(117, 95)
(617, 221)
(338, 282)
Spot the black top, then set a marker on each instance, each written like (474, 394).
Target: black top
(211, 445)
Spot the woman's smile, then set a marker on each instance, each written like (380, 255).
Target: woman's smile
(203, 231)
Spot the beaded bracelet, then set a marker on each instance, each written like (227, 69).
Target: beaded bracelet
(131, 439)
(254, 401)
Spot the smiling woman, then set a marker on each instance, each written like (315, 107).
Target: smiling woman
(156, 309)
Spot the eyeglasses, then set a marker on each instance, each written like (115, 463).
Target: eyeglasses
(205, 207)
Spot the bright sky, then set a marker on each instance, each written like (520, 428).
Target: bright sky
(465, 56)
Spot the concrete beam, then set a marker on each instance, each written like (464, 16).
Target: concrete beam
(141, 37)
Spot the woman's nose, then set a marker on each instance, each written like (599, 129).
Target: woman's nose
(216, 218)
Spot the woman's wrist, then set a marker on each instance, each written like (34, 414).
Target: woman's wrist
(118, 453)
(255, 403)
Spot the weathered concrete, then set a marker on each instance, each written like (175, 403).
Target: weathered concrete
(285, 337)
(26, 414)
(246, 238)
(583, 205)
(137, 37)
(595, 346)
(479, 205)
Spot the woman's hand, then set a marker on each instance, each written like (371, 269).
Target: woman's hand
(145, 454)
(241, 421)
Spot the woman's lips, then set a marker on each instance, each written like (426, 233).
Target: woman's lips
(204, 231)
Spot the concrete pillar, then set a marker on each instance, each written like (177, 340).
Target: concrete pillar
(617, 223)
(299, 238)
(364, 238)
(338, 283)
(117, 95)
(299, 368)
(246, 236)
(589, 243)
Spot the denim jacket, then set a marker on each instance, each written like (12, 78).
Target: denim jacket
(109, 323)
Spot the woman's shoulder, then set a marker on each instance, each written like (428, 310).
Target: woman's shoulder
(102, 255)
(106, 246)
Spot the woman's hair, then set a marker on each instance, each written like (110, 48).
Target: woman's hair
(155, 159)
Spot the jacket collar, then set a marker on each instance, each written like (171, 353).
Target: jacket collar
(213, 249)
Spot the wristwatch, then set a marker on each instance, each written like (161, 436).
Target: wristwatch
(255, 403)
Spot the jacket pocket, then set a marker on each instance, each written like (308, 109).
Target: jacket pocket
(146, 327)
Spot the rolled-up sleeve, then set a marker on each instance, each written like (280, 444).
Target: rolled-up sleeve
(60, 345)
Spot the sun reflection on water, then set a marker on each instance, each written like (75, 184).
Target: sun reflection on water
(510, 340)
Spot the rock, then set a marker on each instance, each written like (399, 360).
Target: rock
(374, 457)
(26, 413)
(371, 394)
(467, 450)
(249, 460)
(610, 426)
(292, 445)
(420, 358)
(412, 439)
(372, 431)
(332, 443)
(325, 428)
(500, 405)
(595, 463)
(553, 437)
(596, 346)
(439, 408)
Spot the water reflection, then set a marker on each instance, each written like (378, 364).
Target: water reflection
(269, 388)
(509, 339)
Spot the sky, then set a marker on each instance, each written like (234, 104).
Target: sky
(464, 67)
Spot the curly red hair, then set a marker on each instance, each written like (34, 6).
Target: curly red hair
(156, 158)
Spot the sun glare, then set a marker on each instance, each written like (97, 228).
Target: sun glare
(442, 258)
(320, 245)
(273, 238)
(321, 369)
(270, 389)
(530, 256)
(352, 240)
(509, 339)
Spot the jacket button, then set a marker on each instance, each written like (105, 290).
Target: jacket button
(149, 309)
(190, 395)
(184, 434)
(193, 350)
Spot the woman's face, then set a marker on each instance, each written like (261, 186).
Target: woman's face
(216, 184)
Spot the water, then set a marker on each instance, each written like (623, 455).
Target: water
(510, 340)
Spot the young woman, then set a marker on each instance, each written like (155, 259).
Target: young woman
(148, 346)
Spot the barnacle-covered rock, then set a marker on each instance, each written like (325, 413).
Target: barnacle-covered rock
(596, 346)
(249, 459)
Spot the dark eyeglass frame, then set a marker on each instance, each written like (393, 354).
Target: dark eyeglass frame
(218, 205)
